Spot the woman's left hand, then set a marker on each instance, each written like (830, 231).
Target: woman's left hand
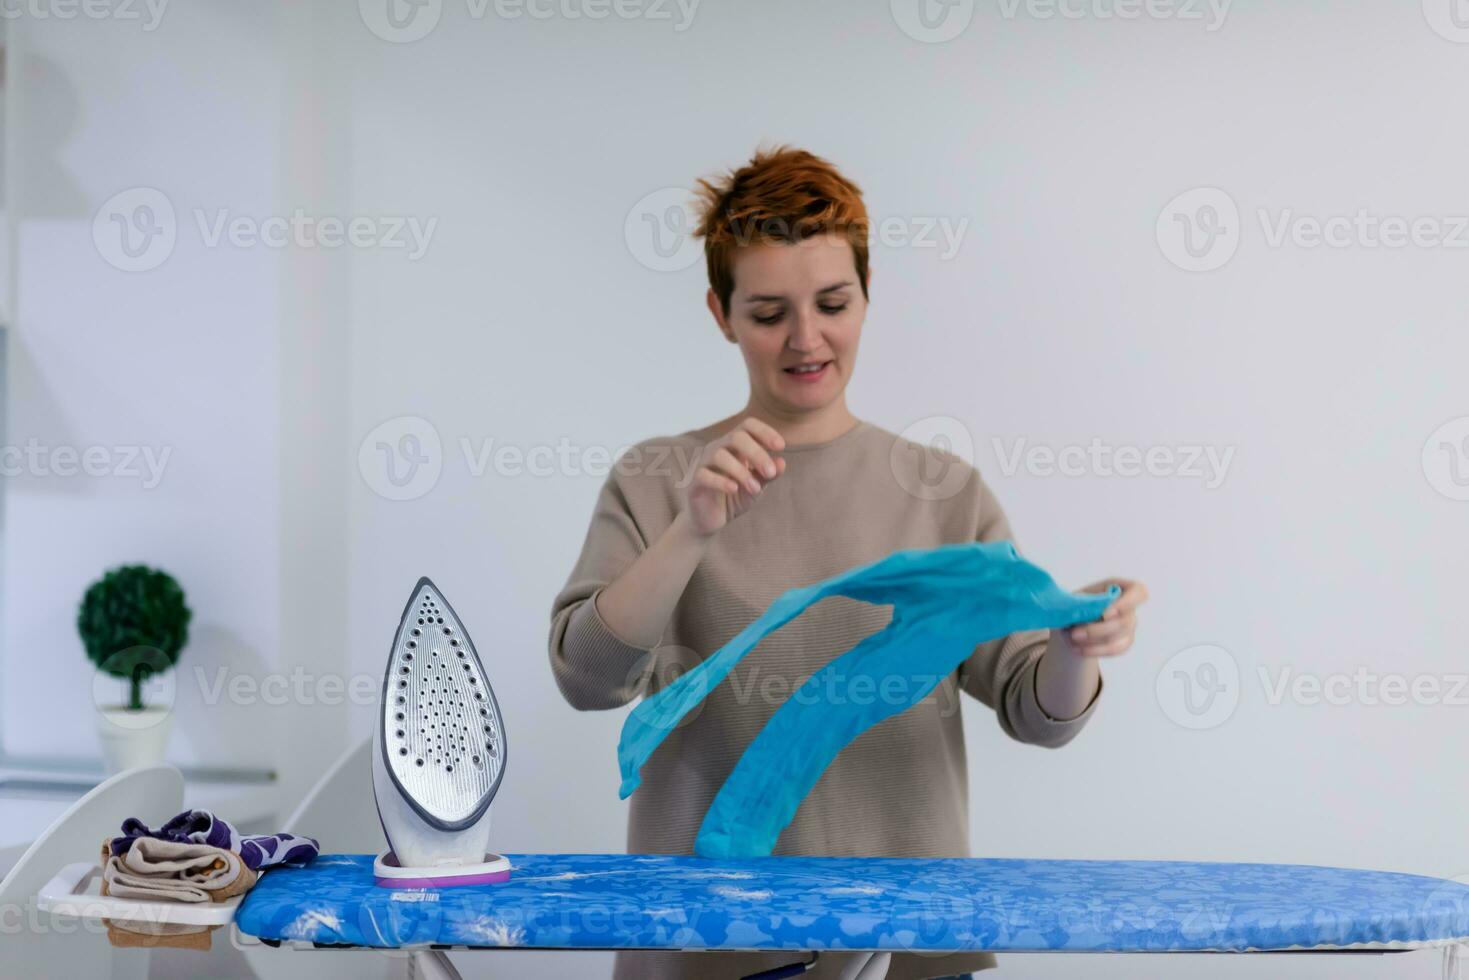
(1113, 633)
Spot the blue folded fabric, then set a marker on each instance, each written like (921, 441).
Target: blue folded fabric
(945, 601)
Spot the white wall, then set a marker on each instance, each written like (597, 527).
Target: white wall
(530, 320)
(179, 361)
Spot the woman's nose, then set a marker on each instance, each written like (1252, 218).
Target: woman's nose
(804, 335)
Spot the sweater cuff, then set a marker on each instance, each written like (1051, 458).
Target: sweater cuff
(602, 668)
(1038, 727)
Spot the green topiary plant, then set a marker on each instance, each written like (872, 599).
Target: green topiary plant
(134, 623)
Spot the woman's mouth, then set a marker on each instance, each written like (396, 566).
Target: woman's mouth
(808, 373)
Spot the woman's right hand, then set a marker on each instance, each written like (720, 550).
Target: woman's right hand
(732, 471)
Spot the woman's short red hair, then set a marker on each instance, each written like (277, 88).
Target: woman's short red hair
(783, 195)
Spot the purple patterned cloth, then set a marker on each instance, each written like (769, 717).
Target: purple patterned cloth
(202, 827)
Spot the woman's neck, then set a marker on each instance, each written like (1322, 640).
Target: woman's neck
(800, 428)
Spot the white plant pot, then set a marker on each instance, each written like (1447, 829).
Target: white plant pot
(133, 738)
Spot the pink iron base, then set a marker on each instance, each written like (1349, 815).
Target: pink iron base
(387, 873)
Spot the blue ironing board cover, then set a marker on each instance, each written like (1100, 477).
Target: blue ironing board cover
(632, 901)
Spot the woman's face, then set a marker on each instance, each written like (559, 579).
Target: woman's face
(796, 312)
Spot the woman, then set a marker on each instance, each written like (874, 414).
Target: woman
(694, 535)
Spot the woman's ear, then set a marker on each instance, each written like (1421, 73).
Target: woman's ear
(718, 312)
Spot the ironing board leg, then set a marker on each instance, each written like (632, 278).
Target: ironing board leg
(874, 967)
(432, 964)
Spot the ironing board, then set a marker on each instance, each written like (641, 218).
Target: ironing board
(641, 901)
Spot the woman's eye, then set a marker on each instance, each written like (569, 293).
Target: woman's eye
(770, 318)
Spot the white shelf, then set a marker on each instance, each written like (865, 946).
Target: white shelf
(76, 891)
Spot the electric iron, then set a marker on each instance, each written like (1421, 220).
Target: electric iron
(438, 753)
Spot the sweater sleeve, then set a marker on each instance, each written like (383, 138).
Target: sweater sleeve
(595, 668)
(1001, 673)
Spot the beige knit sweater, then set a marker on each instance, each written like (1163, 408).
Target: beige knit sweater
(898, 790)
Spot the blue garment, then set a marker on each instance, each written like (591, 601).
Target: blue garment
(945, 601)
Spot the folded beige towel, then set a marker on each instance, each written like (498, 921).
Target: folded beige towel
(169, 871)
